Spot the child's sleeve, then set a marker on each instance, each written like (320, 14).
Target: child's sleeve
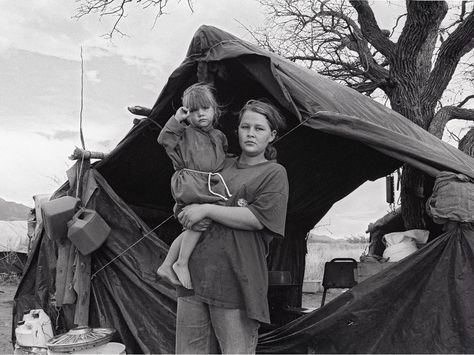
(170, 134)
(225, 144)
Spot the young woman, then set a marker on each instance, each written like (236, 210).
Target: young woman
(228, 266)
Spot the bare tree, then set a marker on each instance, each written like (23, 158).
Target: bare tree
(411, 63)
(117, 9)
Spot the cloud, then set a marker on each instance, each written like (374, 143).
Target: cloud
(5, 43)
(93, 76)
(59, 135)
(105, 143)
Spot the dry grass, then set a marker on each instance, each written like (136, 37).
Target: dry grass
(9, 278)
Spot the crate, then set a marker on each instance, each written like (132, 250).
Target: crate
(367, 269)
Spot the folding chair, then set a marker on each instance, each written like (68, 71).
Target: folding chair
(338, 273)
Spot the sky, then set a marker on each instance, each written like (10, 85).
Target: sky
(40, 89)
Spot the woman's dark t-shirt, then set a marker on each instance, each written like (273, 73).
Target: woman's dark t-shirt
(228, 266)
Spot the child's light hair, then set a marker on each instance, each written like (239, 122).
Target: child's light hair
(274, 118)
(201, 95)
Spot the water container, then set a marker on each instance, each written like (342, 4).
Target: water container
(87, 230)
(111, 348)
(35, 331)
(27, 316)
(56, 214)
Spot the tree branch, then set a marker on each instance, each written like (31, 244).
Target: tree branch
(117, 8)
(423, 17)
(446, 114)
(460, 42)
(466, 99)
(371, 30)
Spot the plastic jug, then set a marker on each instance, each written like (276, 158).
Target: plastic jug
(87, 231)
(35, 331)
(56, 214)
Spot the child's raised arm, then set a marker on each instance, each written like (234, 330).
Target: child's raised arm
(181, 114)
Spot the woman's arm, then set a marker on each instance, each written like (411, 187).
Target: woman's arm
(232, 217)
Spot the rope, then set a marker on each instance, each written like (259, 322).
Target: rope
(291, 130)
(131, 246)
(209, 175)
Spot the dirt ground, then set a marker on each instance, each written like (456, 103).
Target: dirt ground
(7, 292)
(8, 289)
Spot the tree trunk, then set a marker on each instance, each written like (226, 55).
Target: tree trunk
(413, 198)
(405, 100)
(466, 144)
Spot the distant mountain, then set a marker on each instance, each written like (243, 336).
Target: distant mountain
(12, 211)
(317, 238)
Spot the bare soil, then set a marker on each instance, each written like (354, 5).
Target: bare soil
(8, 289)
(7, 292)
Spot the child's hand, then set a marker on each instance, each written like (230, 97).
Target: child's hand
(182, 114)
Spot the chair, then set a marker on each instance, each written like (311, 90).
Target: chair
(338, 273)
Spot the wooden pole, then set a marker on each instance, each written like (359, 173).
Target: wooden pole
(79, 153)
(82, 283)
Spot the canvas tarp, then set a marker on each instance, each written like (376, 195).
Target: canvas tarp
(336, 140)
(14, 236)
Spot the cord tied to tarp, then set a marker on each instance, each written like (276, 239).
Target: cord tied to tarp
(131, 246)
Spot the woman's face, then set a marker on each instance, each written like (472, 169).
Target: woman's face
(254, 134)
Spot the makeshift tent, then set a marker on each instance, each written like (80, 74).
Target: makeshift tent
(13, 245)
(336, 140)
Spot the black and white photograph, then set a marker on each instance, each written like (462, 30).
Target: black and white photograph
(237, 177)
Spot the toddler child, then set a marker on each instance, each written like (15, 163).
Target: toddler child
(197, 151)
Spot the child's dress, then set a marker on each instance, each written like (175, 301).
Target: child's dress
(197, 157)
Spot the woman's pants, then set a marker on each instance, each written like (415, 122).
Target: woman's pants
(204, 329)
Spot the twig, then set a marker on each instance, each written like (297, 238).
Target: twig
(461, 104)
(82, 102)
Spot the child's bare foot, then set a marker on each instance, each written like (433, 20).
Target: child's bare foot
(166, 272)
(182, 272)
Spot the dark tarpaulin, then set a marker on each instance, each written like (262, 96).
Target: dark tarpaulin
(422, 304)
(125, 294)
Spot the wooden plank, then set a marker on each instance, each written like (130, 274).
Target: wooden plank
(82, 281)
(64, 272)
(69, 293)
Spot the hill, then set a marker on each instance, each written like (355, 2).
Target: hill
(12, 211)
(317, 238)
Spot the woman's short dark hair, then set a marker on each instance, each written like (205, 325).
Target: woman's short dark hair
(273, 116)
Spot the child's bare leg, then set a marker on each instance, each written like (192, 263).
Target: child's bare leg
(180, 267)
(165, 270)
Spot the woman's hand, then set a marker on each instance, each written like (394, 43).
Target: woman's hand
(202, 225)
(192, 214)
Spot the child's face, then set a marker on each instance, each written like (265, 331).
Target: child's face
(202, 117)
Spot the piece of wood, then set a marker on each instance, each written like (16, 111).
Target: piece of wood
(82, 273)
(61, 270)
(79, 153)
(69, 293)
(64, 273)
(82, 281)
